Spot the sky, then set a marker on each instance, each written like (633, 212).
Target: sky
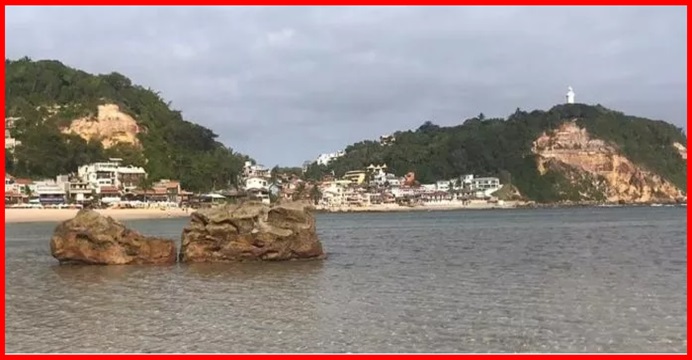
(284, 84)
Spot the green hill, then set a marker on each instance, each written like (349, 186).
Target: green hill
(46, 96)
(503, 148)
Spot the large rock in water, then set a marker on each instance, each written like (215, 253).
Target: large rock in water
(251, 231)
(91, 238)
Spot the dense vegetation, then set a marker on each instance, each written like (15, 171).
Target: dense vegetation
(502, 148)
(46, 95)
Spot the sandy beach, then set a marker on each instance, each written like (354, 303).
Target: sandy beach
(430, 206)
(15, 215)
(58, 215)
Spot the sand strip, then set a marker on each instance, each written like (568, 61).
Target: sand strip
(58, 215)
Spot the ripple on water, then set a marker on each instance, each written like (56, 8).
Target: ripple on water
(554, 280)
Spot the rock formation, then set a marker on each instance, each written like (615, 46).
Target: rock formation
(681, 149)
(571, 151)
(91, 238)
(110, 126)
(251, 231)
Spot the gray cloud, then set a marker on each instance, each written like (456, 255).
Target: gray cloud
(287, 83)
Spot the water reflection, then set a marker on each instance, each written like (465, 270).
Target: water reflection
(557, 280)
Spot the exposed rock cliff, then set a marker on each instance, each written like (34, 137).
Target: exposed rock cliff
(681, 149)
(110, 126)
(597, 170)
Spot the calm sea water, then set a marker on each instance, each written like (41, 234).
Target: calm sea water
(557, 280)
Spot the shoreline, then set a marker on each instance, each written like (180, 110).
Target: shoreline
(13, 215)
(441, 206)
(17, 215)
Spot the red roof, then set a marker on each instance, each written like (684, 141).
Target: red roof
(172, 185)
(23, 181)
(109, 190)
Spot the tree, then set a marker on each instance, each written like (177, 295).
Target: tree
(47, 95)
(315, 194)
(503, 148)
(145, 184)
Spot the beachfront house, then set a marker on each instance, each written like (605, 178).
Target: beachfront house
(79, 192)
(49, 192)
(111, 173)
(481, 187)
(129, 177)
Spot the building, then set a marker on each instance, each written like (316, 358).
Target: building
(111, 173)
(443, 185)
(306, 164)
(256, 183)
(13, 191)
(481, 187)
(334, 193)
(485, 183)
(255, 170)
(387, 140)
(49, 192)
(386, 180)
(570, 95)
(10, 142)
(356, 177)
(325, 159)
(129, 177)
(10, 184)
(80, 192)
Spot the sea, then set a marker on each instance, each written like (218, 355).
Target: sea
(570, 280)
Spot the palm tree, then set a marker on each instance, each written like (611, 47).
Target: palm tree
(146, 184)
(315, 194)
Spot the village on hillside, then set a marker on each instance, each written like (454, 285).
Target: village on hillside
(114, 184)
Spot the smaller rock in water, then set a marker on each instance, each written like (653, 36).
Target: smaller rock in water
(251, 231)
(91, 238)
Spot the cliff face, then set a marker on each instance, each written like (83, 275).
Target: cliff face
(110, 126)
(681, 149)
(597, 168)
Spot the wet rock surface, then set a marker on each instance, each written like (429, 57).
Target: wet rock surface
(251, 231)
(91, 238)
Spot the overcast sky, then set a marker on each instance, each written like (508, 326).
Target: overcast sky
(286, 84)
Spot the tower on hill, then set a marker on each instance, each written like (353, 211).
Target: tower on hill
(570, 95)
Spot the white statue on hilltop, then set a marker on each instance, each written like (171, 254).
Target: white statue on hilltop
(570, 95)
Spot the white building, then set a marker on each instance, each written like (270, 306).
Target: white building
(111, 173)
(10, 185)
(334, 193)
(387, 139)
(256, 183)
(485, 183)
(442, 185)
(251, 170)
(10, 142)
(50, 192)
(325, 159)
(482, 186)
(570, 95)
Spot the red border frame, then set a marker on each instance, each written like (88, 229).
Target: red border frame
(336, 2)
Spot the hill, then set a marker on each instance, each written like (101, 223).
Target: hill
(65, 117)
(572, 152)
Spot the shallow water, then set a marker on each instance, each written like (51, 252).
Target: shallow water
(549, 280)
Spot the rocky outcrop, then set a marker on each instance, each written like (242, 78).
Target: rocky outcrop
(251, 231)
(110, 126)
(600, 168)
(91, 238)
(682, 150)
